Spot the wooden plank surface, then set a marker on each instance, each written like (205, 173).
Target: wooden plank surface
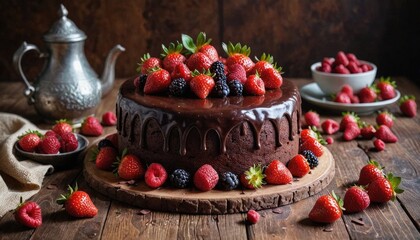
(116, 220)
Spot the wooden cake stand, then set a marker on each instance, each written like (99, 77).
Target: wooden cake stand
(192, 201)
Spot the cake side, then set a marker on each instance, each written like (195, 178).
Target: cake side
(231, 133)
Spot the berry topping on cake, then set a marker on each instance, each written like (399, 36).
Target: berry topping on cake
(236, 88)
(158, 81)
(202, 84)
(147, 63)
(178, 87)
(311, 158)
(238, 54)
(172, 56)
(254, 85)
(221, 89)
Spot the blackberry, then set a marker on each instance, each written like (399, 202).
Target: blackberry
(228, 181)
(178, 87)
(221, 89)
(142, 81)
(218, 78)
(180, 178)
(236, 88)
(310, 156)
(217, 68)
(105, 143)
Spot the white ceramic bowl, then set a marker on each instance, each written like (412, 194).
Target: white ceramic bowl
(331, 83)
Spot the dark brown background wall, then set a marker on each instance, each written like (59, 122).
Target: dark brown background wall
(296, 32)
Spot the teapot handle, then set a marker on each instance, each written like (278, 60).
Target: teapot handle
(17, 58)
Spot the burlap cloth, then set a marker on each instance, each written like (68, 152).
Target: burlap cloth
(18, 178)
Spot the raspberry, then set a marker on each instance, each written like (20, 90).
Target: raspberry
(310, 156)
(252, 216)
(109, 119)
(228, 181)
(221, 89)
(379, 145)
(180, 178)
(329, 140)
(205, 178)
(178, 87)
(236, 88)
(155, 175)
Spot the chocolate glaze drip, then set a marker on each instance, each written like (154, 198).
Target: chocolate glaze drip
(135, 111)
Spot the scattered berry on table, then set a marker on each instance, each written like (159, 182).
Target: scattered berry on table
(252, 216)
(205, 178)
(180, 178)
(109, 119)
(28, 214)
(351, 132)
(367, 131)
(228, 181)
(91, 127)
(379, 145)
(408, 106)
(330, 126)
(383, 189)
(329, 140)
(78, 203)
(370, 172)
(385, 118)
(311, 158)
(348, 117)
(385, 134)
(327, 209)
(356, 199)
(155, 175)
(312, 118)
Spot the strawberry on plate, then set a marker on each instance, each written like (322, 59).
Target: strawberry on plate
(28, 214)
(356, 199)
(385, 118)
(205, 178)
(68, 142)
(383, 189)
(252, 178)
(78, 203)
(49, 145)
(29, 141)
(327, 209)
(370, 172)
(62, 126)
(386, 88)
(277, 173)
(342, 97)
(368, 94)
(408, 106)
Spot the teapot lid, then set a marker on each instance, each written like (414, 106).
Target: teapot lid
(64, 30)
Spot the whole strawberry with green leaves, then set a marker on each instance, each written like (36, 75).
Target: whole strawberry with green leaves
(129, 167)
(91, 126)
(253, 178)
(383, 189)
(202, 83)
(30, 140)
(370, 172)
(327, 209)
(408, 105)
(147, 63)
(356, 199)
(238, 54)
(277, 173)
(78, 203)
(158, 81)
(62, 126)
(172, 56)
(386, 88)
(202, 45)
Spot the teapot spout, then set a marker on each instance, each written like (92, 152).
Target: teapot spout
(108, 75)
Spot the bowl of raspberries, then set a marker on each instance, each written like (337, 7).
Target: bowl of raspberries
(331, 74)
(58, 146)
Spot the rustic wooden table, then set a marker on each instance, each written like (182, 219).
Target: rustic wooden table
(394, 220)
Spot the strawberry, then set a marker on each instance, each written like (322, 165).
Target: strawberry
(347, 89)
(367, 131)
(298, 166)
(277, 173)
(28, 214)
(129, 167)
(78, 203)
(312, 118)
(199, 61)
(68, 142)
(181, 71)
(62, 126)
(254, 85)
(29, 141)
(341, 58)
(236, 72)
(342, 97)
(352, 58)
(272, 78)
(408, 106)
(379, 145)
(329, 126)
(386, 88)
(147, 63)
(51, 133)
(354, 99)
(49, 145)
(264, 62)
(352, 131)
(327, 209)
(340, 69)
(356, 199)
(201, 45)
(312, 145)
(252, 178)
(325, 67)
(365, 67)
(308, 133)
(114, 139)
(354, 68)
(368, 94)
(105, 157)
(91, 127)
(109, 119)
(385, 134)
(238, 54)
(383, 189)
(252, 216)
(201, 84)
(157, 81)
(155, 175)
(172, 56)
(328, 61)
(370, 172)
(385, 118)
(348, 117)
(205, 178)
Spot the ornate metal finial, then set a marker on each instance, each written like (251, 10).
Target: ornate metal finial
(62, 11)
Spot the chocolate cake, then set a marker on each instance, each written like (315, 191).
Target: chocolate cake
(231, 133)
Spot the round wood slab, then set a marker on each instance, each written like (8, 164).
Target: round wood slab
(191, 200)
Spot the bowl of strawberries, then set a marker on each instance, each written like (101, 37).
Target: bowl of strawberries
(331, 74)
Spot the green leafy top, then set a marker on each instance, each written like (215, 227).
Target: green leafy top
(395, 182)
(231, 49)
(339, 200)
(30, 132)
(387, 80)
(172, 48)
(406, 98)
(64, 197)
(199, 42)
(265, 57)
(255, 176)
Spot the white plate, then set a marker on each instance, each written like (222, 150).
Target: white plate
(313, 94)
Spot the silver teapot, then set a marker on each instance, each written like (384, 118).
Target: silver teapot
(67, 87)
